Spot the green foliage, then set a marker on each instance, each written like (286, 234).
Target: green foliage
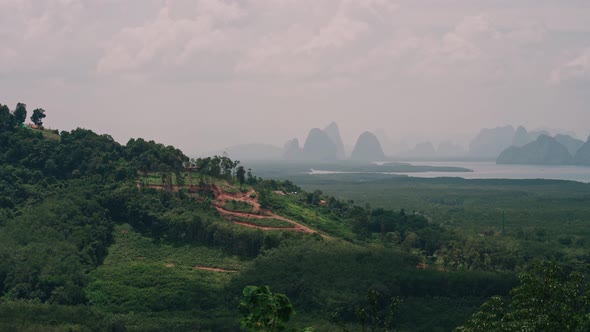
(149, 156)
(241, 175)
(20, 113)
(265, 311)
(47, 250)
(158, 282)
(83, 248)
(543, 219)
(131, 247)
(216, 166)
(294, 206)
(547, 299)
(165, 216)
(38, 116)
(239, 206)
(265, 222)
(374, 317)
(333, 277)
(24, 315)
(7, 120)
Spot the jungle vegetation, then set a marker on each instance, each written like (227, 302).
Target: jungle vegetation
(101, 236)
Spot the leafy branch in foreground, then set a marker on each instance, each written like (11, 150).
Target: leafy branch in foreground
(547, 299)
(265, 311)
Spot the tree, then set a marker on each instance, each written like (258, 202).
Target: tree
(241, 175)
(547, 299)
(38, 116)
(20, 113)
(265, 311)
(6, 118)
(410, 240)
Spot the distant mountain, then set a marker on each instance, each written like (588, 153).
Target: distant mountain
(570, 143)
(449, 149)
(334, 133)
(319, 146)
(254, 152)
(521, 137)
(536, 133)
(489, 143)
(389, 146)
(545, 150)
(367, 148)
(291, 150)
(583, 155)
(421, 150)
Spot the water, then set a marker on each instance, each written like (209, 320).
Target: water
(490, 170)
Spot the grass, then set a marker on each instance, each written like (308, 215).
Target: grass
(151, 285)
(287, 207)
(265, 222)
(50, 134)
(238, 206)
(133, 248)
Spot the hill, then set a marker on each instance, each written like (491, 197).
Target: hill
(319, 146)
(583, 154)
(570, 143)
(489, 143)
(334, 133)
(543, 151)
(102, 236)
(367, 148)
(423, 150)
(291, 150)
(521, 137)
(449, 149)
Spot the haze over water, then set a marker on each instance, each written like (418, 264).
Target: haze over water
(491, 170)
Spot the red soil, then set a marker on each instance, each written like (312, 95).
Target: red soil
(213, 269)
(221, 197)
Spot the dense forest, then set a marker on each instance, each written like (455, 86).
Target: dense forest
(100, 236)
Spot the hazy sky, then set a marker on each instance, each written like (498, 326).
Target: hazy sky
(204, 74)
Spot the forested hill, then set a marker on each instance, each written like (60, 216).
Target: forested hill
(100, 236)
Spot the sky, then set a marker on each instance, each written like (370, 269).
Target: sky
(206, 74)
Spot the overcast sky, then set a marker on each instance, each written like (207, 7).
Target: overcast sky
(204, 74)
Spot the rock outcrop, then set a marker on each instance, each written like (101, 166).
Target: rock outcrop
(319, 147)
(543, 151)
(291, 150)
(570, 143)
(521, 137)
(334, 133)
(489, 143)
(367, 148)
(583, 154)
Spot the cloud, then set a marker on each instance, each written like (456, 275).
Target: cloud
(338, 32)
(574, 70)
(50, 39)
(327, 58)
(169, 40)
(255, 37)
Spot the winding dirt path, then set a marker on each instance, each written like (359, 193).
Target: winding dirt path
(266, 228)
(258, 212)
(222, 197)
(213, 269)
(250, 197)
(297, 227)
